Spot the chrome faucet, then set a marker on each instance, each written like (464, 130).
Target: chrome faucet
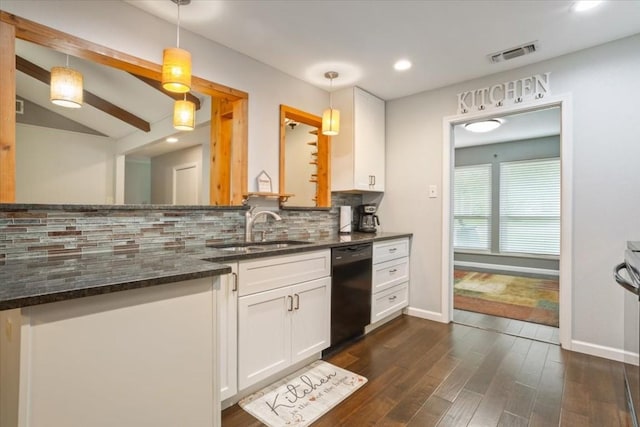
(251, 218)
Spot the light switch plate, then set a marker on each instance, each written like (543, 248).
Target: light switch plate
(433, 191)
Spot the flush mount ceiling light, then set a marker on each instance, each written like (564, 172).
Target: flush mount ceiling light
(184, 115)
(172, 140)
(584, 5)
(331, 117)
(66, 87)
(176, 62)
(402, 65)
(483, 126)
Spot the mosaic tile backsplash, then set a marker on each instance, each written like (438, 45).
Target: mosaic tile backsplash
(28, 231)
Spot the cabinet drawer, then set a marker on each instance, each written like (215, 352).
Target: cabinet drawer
(390, 273)
(274, 272)
(392, 249)
(389, 301)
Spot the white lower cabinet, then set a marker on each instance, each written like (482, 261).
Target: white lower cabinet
(390, 287)
(284, 325)
(280, 327)
(227, 305)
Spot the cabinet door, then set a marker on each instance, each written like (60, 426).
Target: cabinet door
(369, 141)
(264, 335)
(228, 332)
(310, 320)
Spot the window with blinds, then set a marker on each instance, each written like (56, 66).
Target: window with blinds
(530, 207)
(472, 207)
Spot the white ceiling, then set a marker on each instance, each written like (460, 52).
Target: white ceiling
(447, 41)
(515, 127)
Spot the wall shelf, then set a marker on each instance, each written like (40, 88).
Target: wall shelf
(283, 197)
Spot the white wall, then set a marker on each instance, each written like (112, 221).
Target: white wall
(606, 178)
(137, 181)
(58, 166)
(120, 26)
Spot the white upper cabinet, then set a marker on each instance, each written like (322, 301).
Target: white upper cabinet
(357, 152)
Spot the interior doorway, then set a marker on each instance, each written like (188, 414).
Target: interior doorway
(563, 264)
(506, 222)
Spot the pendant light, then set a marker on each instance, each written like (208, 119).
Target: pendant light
(176, 62)
(184, 114)
(66, 87)
(330, 117)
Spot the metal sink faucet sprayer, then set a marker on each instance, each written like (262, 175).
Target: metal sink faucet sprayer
(251, 218)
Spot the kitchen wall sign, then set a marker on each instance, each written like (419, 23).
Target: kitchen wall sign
(514, 92)
(264, 183)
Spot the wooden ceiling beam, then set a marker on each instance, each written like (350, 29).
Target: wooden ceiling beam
(101, 104)
(177, 96)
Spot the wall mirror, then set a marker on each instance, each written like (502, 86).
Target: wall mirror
(120, 132)
(304, 159)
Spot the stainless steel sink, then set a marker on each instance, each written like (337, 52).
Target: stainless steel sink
(257, 246)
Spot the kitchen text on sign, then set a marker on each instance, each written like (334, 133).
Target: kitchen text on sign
(515, 91)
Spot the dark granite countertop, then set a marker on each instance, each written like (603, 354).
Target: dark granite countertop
(33, 281)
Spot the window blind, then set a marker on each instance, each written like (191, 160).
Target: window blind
(530, 207)
(472, 207)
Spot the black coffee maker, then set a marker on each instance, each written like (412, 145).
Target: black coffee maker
(368, 218)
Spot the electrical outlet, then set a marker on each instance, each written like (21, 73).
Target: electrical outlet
(433, 191)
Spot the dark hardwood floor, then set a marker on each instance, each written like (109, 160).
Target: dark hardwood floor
(515, 327)
(424, 373)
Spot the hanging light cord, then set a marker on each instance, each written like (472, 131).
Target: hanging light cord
(178, 28)
(331, 93)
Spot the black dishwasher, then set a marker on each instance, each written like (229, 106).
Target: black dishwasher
(350, 293)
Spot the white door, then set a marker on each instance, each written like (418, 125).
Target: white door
(264, 335)
(310, 320)
(228, 332)
(185, 184)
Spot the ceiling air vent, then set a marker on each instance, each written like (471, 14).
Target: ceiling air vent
(514, 52)
(19, 106)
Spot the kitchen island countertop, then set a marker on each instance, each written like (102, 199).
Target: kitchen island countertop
(33, 281)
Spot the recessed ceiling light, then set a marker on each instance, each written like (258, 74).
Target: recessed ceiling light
(172, 140)
(483, 126)
(584, 5)
(401, 65)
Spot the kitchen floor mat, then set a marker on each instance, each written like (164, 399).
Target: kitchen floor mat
(304, 396)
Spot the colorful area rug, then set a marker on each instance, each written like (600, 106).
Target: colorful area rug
(515, 297)
(304, 396)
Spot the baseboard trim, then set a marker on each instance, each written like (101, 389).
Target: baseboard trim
(610, 353)
(511, 268)
(425, 314)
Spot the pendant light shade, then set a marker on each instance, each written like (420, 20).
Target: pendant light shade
(184, 115)
(331, 122)
(66, 87)
(176, 70)
(176, 62)
(331, 116)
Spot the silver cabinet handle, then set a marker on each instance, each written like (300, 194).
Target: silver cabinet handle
(374, 179)
(393, 270)
(628, 286)
(235, 282)
(393, 249)
(297, 297)
(290, 299)
(393, 298)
